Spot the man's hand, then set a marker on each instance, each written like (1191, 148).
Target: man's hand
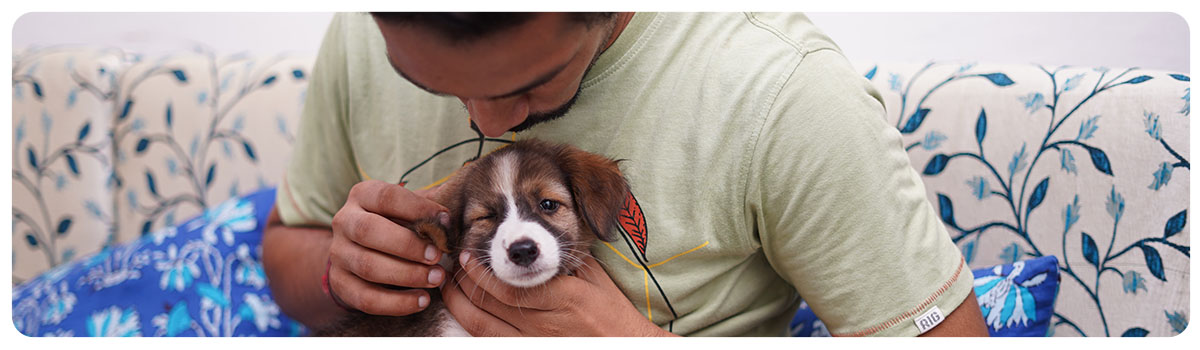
(587, 304)
(371, 249)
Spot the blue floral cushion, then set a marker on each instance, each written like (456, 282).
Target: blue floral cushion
(1017, 300)
(202, 277)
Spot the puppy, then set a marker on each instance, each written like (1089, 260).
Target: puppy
(528, 211)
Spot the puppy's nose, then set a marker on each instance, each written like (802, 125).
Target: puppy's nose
(523, 252)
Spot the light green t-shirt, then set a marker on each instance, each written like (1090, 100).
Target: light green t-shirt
(760, 159)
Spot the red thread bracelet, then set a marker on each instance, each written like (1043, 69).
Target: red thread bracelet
(325, 288)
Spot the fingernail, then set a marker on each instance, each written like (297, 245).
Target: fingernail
(462, 258)
(430, 253)
(444, 218)
(435, 276)
(423, 301)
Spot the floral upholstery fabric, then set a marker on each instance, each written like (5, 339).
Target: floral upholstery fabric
(109, 146)
(1016, 300)
(194, 130)
(1087, 164)
(62, 155)
(203, 277)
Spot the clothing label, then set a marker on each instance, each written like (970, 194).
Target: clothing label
(930, 319)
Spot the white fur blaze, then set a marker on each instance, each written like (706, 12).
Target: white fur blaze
(514, 229)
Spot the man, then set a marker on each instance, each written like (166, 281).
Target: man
(759, 158)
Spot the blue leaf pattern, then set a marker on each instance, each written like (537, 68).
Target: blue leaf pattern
(1152, 127)
(72, 164)
(1090, 251)
(968, 251)
(1138, 80)
(936, 164)
(1115, 206)
(1087, 128)
(981, 126)
(1033, 101)
(946, 209)
(1039, 193)
(1162, 176)
(1178, 321)
(1071, 214)
(125, 110)
(72, 97)
(1067, 161)
(249, 151)
(1153, 262)
(894, 82)
(1099, 160)
(933, 139)
(979, 187)
(1000, 79)
(1175, 224)
(1018, 161)
(1132, 281)
(83, 131)
(150, 182)
(1072, 82)
(1011, 254)
(915, 121)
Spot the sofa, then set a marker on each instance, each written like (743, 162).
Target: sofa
(156, 171)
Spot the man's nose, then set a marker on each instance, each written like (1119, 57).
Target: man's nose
(494, 118)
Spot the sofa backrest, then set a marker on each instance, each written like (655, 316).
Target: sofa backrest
(1087, 164)
(109, 146)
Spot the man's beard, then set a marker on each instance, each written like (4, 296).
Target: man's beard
(542, 117)
(538, 118)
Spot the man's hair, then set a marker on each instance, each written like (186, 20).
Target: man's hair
(459, 27)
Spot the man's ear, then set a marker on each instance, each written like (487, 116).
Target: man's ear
(598, 189)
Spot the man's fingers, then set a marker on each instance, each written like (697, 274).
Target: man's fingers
(394, 201)
(477, 321)
(377, 267)
(376, 232)
(375, 299)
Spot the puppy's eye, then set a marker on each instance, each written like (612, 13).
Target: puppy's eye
(485, 217)
(548, 205)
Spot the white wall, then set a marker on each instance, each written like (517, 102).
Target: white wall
(156, 33)
(1147, 40)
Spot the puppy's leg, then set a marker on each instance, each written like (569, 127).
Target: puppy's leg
(433, 232)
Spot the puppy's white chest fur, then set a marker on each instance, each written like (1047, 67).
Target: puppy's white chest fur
(450, 326)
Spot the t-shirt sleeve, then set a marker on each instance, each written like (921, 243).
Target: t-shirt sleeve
(322, 168)
(841, 213)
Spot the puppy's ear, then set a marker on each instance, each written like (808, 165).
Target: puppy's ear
(598, 189)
